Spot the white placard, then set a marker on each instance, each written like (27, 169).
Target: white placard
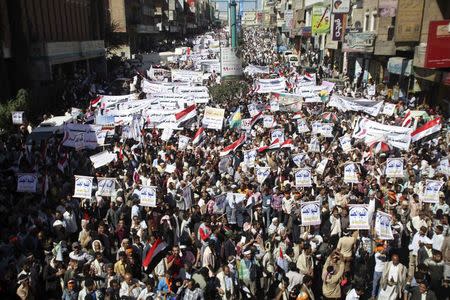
(350, 173)
(383, 228)
(170, 169)
(310, 213)
(298, 159)
(316, 127)
(79, 141)
(444, 166)
(183, 141)
(106, 186)
(274, 105)
(83, 186)
(262, 173)
(302, 126)
(103, 158)
(303, 177)
(358, 216)
(166, 134)
(321, 166)
(346, 143)
(388, 109)
(246, 124)
(147, 196)
(26, 183)
(277, 134)
(250, 157)
(326, 130)
(394, 168)
(17, 117)
(268, 121)
(314, 145)
(431, 191)
(213, 118)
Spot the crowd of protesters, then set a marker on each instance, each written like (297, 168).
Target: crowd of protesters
(55, 246)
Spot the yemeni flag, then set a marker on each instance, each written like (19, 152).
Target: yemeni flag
(186, 114)
(407, 120)
(233, 146)
(275, 145)
(289, 143)
(156, 253)
(96, 102)
(429, 128)
(255, 119)
(199, 136)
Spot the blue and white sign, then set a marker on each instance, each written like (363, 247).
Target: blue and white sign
(383, 228)
(350, 174)
(26, 183)
(310, 213)
(83, 186)
(431, 191)
(262, 173)
(250, 157)
(106, 186)
(303, 177)
(394, 167)
(358, 216)
(277, 134)
(147, 195)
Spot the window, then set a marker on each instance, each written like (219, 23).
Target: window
(373, 21)
(366, 22)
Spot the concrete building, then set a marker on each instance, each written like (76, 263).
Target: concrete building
(43, 39)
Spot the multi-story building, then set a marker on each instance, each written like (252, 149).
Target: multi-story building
(42, 40)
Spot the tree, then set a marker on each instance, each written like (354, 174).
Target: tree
(222, 93)
(19, 103)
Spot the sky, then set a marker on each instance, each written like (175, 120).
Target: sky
(248, 6)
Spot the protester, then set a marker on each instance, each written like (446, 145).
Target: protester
(290, 189)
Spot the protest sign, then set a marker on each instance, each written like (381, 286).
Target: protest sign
(388, 109)
(274, 105)
(383, 228)
(79, 141)
(394, 167)
(444, 166)
(310, 213)
(17, 117)
(326, 130)
(252, 70)
(371, 131)
(213, 118)
(268, 121)
(277, 133)
(315, 127)
(303, 177)
(298, 159)
(262, 173)
(314, 145)
(246, 124)
(302, 126)
(147, 196)
(26, 182)
(344, 104)
(250, 157)
(358, 216)
(183, 141)
(431, 191)
(350, 173)
(166, 134)
(83, 186)
(101, 159)
(72, 137)
(106, 186)
(321, 166)
(346, 143)
(270, 85)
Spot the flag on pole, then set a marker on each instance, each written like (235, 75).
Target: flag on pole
(156, 253)
(428, 129)
(236, 119)
(199, 136)
(233, 146)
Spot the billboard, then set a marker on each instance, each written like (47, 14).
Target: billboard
(387, 8)
(409, 20)
(320, 19)
(340, 6)
(338, 30)
(438, 46)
